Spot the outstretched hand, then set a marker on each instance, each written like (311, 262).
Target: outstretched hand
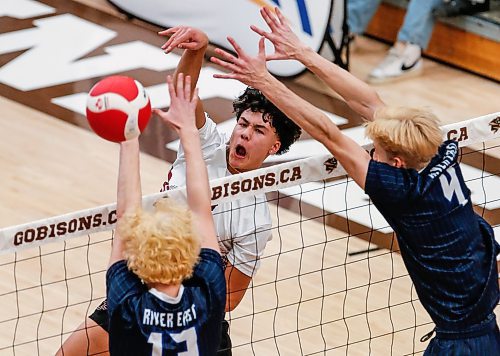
(181, 114)
(286, 43)
(251, 71)
(184, 37)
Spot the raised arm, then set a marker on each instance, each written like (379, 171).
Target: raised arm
(181, 116)
(129, 193)
(194, 42)
(252, 71)
(357, 94)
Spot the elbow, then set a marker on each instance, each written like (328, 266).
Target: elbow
(232, 302)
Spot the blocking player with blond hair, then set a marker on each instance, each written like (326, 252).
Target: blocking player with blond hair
(415, 181)
(402, 131)
(156, 270)
(160, 246)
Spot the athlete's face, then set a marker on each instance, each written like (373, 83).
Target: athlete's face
(251, 142)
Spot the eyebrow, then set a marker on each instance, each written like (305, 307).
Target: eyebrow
(257, 126)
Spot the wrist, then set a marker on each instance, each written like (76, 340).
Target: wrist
(267, 83)
(302, 54)
(187, 132)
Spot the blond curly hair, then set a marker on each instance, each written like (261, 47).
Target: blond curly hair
(410, 133)
(160, 246)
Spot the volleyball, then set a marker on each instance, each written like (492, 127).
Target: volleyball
(118, 108)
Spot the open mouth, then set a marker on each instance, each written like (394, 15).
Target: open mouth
(240, 151)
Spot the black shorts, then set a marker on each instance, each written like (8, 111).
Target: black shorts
(225, 340)
(100, 316)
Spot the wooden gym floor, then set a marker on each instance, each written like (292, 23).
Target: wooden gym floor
(51, 166)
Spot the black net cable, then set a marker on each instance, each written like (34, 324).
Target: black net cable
(345, 292)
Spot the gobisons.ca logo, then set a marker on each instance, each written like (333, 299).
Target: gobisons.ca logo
(495, 124)
(331, 164)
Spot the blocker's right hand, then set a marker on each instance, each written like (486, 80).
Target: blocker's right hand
(287, 44)
(181, 114)
(249, 70)
(184, 37)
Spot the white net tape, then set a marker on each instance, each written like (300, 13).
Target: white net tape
(259, 181)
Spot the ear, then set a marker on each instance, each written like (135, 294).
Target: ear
(274, 148)
(399, 162)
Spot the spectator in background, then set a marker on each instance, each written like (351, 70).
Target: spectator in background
(405, 57)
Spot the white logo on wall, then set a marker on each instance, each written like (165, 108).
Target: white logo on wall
(222, 18)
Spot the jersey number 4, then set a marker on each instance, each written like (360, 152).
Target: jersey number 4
(188, 336)
(452, 187)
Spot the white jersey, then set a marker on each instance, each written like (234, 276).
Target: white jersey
(243, 226)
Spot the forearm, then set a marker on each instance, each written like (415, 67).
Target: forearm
(358, 95)
(236, 286)
(350, 154)
(198, 191)
(129, 192)
(190, 64)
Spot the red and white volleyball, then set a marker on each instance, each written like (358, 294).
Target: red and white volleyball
(118, 108)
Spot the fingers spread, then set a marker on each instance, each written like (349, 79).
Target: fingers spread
(282, 19)
(168, 31)
(258, 30)
(262, 46)
(194, 99)
(226, 76)
(177, 38)
(225, 55)
(170, 84)
(270, 18)
(236, 47)
(187, 87)
(188, 45)
(274, 56)
(180, 85)
(224, 64)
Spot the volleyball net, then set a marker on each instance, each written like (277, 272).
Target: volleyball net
(331, 280)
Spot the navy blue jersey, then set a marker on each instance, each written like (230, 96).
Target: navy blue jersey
(147, 322)
(449, 251)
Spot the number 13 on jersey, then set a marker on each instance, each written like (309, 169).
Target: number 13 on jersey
(188, 336)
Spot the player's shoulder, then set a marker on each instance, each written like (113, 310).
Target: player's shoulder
(211, 256)
(208, 273)
(446, 157)
(209, 128)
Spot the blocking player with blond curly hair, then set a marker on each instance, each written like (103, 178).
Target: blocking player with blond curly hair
(164, 293)
(160, 246)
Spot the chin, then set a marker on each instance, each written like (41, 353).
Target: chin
(239, 165)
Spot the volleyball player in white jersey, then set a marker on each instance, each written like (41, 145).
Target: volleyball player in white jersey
(243, 226)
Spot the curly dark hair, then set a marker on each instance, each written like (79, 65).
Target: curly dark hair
(288, 132)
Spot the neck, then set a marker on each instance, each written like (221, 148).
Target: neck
(171, 290)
